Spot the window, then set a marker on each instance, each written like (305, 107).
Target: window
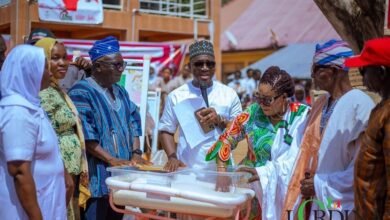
(112, 4)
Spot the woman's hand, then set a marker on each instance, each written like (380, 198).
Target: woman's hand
(69, 185)
(255, 176)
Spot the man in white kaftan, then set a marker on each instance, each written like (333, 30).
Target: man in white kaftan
(225, 102)
(224, 105)
(325, 166)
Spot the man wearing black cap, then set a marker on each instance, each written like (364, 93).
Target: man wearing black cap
(221, 105)
(37, 34)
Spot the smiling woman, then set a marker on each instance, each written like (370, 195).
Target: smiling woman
(63, 116)
(273, 128)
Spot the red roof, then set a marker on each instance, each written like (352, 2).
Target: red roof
(298, 21)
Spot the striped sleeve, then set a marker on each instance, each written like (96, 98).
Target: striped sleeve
(83, 102)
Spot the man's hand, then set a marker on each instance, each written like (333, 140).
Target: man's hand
(209, 116)
(307, 187)
(82, 63)
(255, 176)
(137, 159)
(114, 162)
(173, 164)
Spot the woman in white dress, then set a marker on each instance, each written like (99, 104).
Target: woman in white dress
(31, 168)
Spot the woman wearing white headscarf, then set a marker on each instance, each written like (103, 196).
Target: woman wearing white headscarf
(31, 169)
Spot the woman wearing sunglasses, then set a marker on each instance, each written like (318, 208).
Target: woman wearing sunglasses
(273, 127)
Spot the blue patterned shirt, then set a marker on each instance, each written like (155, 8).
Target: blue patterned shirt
(111, 123)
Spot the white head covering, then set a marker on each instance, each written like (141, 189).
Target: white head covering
(22, 73)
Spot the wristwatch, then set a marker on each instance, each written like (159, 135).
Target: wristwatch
(137, 151)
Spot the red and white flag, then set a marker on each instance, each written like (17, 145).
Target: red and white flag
(162, 54)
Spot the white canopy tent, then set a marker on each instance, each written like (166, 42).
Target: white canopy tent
(296, 59)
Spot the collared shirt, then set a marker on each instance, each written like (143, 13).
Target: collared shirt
(111, 123)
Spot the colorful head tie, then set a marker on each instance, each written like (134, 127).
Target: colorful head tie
(332, 53)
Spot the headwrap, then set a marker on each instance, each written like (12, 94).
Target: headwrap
(47, 43)
(22, 73)
(100, 48)
(332, 52)
(202, 47)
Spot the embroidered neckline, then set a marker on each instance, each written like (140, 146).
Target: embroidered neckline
(115, 104)
(326, 113)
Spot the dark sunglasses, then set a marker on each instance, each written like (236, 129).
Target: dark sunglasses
(118, 65)
(266, 101)
(200, 64)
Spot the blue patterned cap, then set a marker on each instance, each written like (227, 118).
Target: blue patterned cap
(202, 47)
(332, 52)
(107, 46)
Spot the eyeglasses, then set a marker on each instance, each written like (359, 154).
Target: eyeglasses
(118, 65)
(200, 64)
(266, 101)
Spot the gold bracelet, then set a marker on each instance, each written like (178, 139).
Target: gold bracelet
(221, 166)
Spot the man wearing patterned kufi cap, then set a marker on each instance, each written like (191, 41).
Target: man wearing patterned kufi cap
(111, 123)
(325, 166)
(221, 105)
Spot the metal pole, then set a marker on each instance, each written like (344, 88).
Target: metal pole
(192, 9)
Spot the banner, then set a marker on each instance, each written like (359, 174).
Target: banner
(71, 11)
(162, 54)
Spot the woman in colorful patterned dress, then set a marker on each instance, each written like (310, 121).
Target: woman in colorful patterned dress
(64, 119)
(273, 128)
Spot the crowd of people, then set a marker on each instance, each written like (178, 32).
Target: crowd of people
(59, 131)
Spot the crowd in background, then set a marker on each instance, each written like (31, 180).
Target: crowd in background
(245, 87)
